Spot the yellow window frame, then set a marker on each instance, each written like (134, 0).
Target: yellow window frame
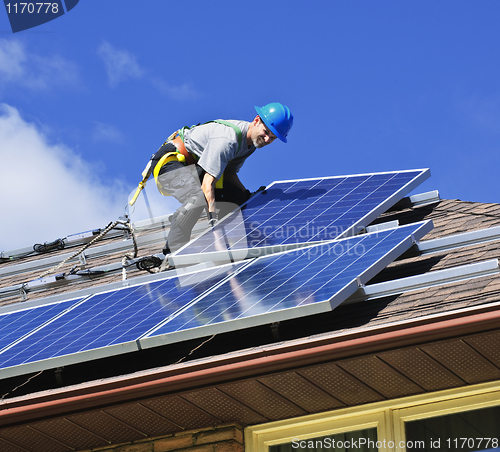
(389, 417)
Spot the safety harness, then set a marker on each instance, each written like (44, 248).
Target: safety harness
(181, 155)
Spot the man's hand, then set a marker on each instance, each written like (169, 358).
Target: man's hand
(212, 219)
(262, 189)
(208, 188)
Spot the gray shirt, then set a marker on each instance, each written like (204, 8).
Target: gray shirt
(217, 146)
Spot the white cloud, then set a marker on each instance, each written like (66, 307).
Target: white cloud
(120, 65)
(12, 59)
(151, 204)
(35, 72)
(107, 133)
(182, 92)
(49, 192)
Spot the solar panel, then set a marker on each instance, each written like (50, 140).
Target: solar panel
(15, 325)
(308, 211)
(292, 284)
(117, 317)
(289, 285)
(277, 287)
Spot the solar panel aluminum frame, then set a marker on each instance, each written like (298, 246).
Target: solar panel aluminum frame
(362, 223)
(230, 255)
(67, 360)
(150, 340)
(96, 353)
(354, 229)
(99, 289)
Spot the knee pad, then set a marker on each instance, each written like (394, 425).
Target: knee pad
(187, 214)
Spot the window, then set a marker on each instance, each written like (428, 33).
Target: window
(463, 419)
(360, 440)
(459, 432)
(286, 436)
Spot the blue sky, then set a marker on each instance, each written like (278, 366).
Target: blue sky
(373, 85)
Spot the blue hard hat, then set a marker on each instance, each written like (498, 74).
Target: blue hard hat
(277, 117)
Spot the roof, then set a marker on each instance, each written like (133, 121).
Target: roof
(428, 335)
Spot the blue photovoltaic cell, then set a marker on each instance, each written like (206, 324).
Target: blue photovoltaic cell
(112, 318)
(296, 279)
(290, 212)
(308, 211)
(14, 325)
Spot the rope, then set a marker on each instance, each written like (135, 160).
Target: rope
(20, 386)
(149, 263)
(95, 239)
(196, 348)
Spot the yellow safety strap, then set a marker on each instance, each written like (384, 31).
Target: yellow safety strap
(147, 173)
(168, 157)
(220, 182)
(142, 184)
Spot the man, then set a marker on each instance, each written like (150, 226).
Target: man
(199, 165)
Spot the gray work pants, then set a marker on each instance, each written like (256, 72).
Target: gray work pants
(183, 183)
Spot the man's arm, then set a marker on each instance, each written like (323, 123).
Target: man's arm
(208, 188)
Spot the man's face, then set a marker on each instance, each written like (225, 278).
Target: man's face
(261, 135)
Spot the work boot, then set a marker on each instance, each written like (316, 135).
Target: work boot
(165, 266)
(166, 250)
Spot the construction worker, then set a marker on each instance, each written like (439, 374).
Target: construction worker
(198, 165)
